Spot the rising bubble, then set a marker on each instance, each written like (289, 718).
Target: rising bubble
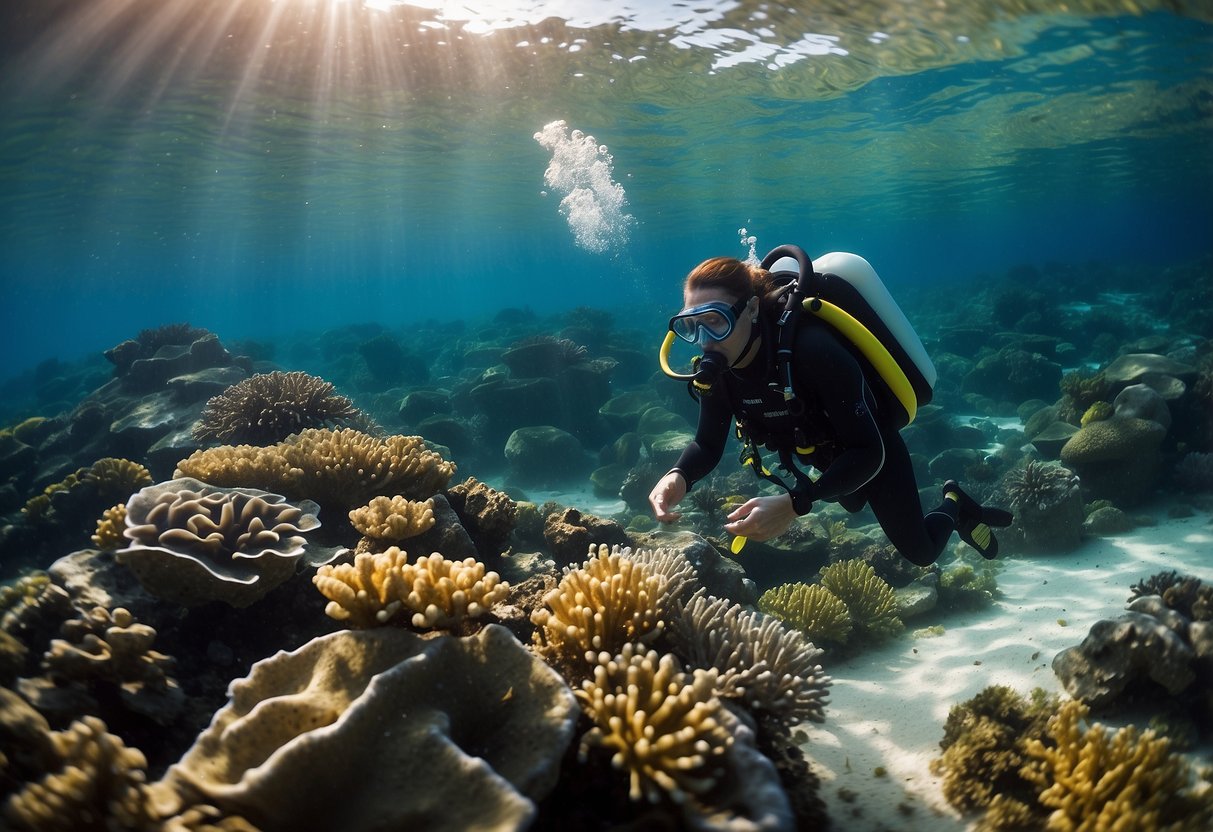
(594, 204)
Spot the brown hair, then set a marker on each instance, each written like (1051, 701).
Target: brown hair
(740, 280)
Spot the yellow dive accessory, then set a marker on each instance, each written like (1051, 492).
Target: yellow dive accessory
(664, 358)
(738, 544)
(876, 352)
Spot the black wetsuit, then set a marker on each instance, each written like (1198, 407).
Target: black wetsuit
(851, 423)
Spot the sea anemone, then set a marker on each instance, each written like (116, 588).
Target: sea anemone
(268, 407)
(1039, 485)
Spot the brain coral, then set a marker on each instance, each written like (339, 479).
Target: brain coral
(810, 608)
(191, 542)
(268, 407)
(380, 729)
(770, 666)
(339, 468)
(384, 587)
(663, 726)
(608, 601)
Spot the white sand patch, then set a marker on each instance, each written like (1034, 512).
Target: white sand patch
(888, 706)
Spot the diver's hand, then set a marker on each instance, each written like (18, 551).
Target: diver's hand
(762, 518)
(667, 493)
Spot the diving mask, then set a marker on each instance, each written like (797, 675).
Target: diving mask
(707, 322)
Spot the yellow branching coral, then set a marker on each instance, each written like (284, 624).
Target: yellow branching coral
(100, 778)
(608, 601)
(870, 600)
(664, 727)
(393, 519)
(109, 528)
(380, 588)
(333, 467)
(1095, 781)
(810, 608)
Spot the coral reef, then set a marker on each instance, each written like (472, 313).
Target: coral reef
(1047, 503)
(1093, 779)
(983, 753)
(87, 490)
(1116, 459)
(381, 588)
(391, 520)
(570, 532)
(870, 601)
(609, 601)
(268, 407)
(810, 608)
(771, 667)
(99, 784)
(435, 720)
(664, 727)
(488, 515)
(191, 542)
(1194, 471)
(338, 468)
(1188, 596)
(105, 656)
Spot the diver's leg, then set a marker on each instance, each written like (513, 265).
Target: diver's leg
(893, 495)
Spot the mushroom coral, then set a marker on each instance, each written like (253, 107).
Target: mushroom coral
(338, 468)
(191, 542)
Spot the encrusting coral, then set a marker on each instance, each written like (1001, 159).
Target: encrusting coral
(339, 468)
(102, 655)
(663, 726)
(1096, 780)
(393, 519)
(100, 784)
(191, 542)
(871, 602)
(771, 667)
(268, 407)
(488, 515)
(811, 609)
(607, 602)
(383, 729)
(381, 588)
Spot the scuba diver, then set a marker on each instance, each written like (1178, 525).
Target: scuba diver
(820, 366)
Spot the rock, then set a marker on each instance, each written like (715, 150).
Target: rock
(1014, 375)
(1139, 401)
(719, 575)
(546, 456)
(1050, 440)
(1106, 521)
(917, 599)
(422, 404)
(1135, 367)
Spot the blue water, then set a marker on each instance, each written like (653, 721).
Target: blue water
(154, 172)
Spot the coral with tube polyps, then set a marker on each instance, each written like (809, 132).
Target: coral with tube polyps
(268, 407)
(607, 602)
(761, 661)
(870, 601)
(664, 727)
(810, 608)
(384, 587)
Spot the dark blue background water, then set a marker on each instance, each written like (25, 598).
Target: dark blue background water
(259, 211)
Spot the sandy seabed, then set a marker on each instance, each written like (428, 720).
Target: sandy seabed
(888, 706)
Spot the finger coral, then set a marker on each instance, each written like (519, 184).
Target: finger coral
(191, 542)
(342, 468)
(811, 609)
(381, 588)
(393, 519)
(769, 666)
(1093, 779)
(383, 729)
(100, 784)
(105, 656)
(663, 726)
(607, 602)
(870, 601)
(109, 534)
(268, 407)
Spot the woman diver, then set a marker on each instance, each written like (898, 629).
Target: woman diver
(832, 392)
